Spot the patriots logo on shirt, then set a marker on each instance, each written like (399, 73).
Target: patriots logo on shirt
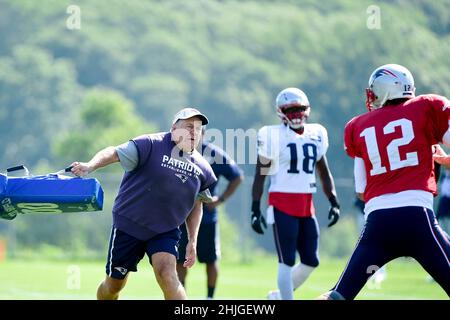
(182, 177)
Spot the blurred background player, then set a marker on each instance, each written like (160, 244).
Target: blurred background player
(208, 244)
(443, 210)
(290, 153)
(394, 175)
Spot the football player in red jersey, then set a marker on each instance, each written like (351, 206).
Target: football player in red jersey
(393, 168)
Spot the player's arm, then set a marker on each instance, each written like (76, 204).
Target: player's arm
(359, 172)
(329, 189)
(231, 188)
(326, 177)
(192, 226)
(262, 168)
(101, 159)
(359, 168)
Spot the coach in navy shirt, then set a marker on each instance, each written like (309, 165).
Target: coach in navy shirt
(208, 245)
(165, 181)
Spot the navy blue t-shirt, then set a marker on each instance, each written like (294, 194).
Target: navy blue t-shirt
(158, 195)
(222, 165)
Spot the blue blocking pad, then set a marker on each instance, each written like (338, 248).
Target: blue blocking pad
(50, 193)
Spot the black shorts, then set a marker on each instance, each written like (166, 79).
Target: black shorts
(296, 234)
(392, 233)
(208, 243)
(443, 210)
(125, 251)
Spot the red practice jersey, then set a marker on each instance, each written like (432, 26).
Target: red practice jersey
(395, 143)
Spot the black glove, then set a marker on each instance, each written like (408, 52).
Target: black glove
(333, 214)
(258, 220)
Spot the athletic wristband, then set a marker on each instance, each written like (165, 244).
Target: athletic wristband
(256, 206)
(334, 201)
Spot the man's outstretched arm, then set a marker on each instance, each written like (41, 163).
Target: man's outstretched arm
(101, 159)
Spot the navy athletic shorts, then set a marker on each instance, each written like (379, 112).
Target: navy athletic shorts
(296, 234)
(125, 251)
(208, 243)
(392, 233)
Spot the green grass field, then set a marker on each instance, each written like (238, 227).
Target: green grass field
(45, 280)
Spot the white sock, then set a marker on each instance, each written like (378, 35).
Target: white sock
(300, 272)
(285, 281)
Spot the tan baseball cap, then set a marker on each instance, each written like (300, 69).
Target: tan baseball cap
(187, 113)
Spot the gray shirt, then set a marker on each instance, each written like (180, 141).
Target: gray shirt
(128, 155)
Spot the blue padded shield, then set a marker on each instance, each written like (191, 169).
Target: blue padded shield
(50, 193)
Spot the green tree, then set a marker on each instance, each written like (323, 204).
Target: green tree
(104, 118)
(38, 95)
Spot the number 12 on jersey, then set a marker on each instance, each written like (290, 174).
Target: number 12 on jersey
(392, 148)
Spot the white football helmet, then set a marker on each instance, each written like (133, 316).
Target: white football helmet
(289, 98)
(390, 81)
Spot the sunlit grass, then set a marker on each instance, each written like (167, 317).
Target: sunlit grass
(79, 280)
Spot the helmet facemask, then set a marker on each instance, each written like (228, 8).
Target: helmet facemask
(372, 100)
(295, 115)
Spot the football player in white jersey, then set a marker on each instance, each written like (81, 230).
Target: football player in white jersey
(290, 153)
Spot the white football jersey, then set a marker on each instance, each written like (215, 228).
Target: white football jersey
(293, 156)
